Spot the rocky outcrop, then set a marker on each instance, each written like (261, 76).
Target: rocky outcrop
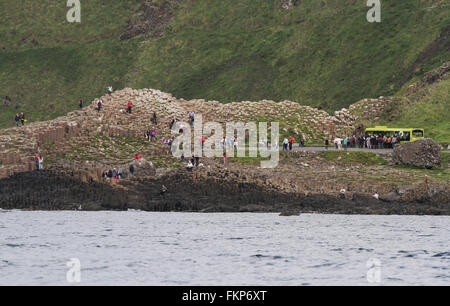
(193, 192)
(424, 153)
(143, 167)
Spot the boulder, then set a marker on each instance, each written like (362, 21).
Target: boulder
(143, 167)
(424, 153)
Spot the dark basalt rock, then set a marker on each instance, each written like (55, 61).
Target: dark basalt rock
(191, 192)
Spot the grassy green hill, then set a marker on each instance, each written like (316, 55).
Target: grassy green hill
(431, 112)
(318, 52)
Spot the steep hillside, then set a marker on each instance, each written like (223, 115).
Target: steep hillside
(319, 53)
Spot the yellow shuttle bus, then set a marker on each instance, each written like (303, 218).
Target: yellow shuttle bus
(405, 135)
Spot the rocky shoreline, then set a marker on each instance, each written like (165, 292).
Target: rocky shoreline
(206, 192)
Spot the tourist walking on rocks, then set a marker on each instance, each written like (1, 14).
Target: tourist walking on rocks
(22, 118)
(41, 162)
(153, 134)
(285, 144)
(163, 190)
(36, 161)
(130, 107)
(154, 119)
(197, 161)
(81, 104)
(131, 170)
(171, 124)
(189, 166)
(17, 119)
(342, 194)
(110, 90)
(99, 105)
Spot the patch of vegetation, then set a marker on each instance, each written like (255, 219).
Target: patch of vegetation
(430, 112)
(350, 157)
(319, 53)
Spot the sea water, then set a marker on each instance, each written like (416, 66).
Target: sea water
(141, 248)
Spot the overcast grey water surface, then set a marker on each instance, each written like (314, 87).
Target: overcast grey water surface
(141, 248)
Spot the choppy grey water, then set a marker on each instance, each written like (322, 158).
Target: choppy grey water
(139, 248)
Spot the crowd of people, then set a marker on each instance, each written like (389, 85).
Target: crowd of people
(369, 141)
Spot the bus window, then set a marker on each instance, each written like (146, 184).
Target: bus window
(417, 133)
(405, 137)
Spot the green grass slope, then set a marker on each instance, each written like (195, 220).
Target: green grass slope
(319, 52)
(431, 112)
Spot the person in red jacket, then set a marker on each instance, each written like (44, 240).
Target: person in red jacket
(130, 106)
(291, 142)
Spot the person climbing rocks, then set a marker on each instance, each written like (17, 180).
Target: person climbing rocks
(110, 90)
(22, 118)
(81, 104)
(41, 162)
(17, 119)
(154, 119)
(153, 134)
(36, 160)
(99, 105)
(130, 107)
(131, 170)
(197, 161)
(189, 166)
(342, 194)
(172, 123)
(163, 190)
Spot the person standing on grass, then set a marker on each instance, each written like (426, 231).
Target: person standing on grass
(81, 104)
(17, 119)
(22, 118)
